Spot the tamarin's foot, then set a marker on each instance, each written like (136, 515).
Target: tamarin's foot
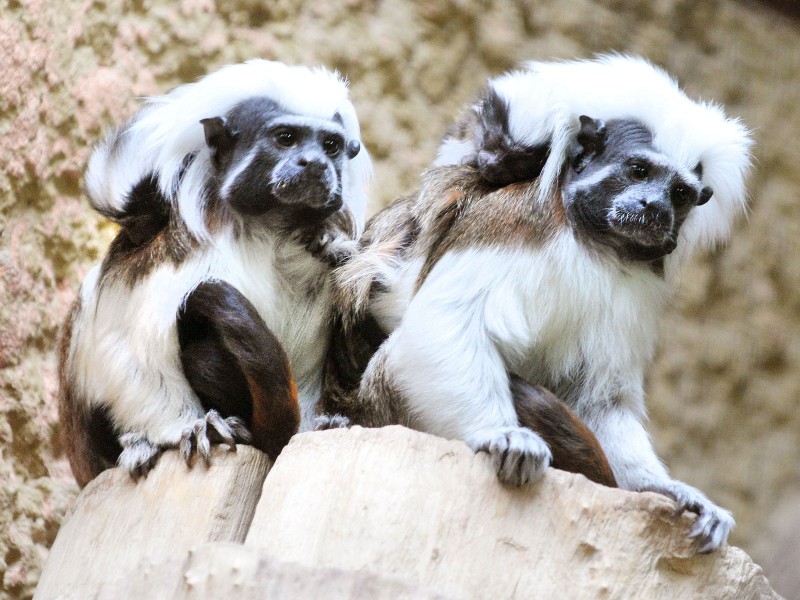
(713, 523)
(212, 429)
(138, 455)
(332, 248)
(519, 455)
(323, 422)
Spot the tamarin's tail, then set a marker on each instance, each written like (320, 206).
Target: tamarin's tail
(237, 366)
(574, 446)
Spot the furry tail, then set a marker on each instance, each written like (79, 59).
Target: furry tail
(237, 366)
(574, 447)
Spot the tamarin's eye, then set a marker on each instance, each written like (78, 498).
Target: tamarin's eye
(638, 171)
(682, 194)
(285, 137)
(332, 146)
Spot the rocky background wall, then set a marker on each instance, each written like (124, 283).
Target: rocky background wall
(724, 390)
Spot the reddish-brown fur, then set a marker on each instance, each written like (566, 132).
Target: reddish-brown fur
(272, 426)
(574, 446)
(87, 439)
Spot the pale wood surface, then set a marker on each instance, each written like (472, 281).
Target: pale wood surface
(230, 570)
(119, 529)
(425, 509)
(234, 571)
(377, 514)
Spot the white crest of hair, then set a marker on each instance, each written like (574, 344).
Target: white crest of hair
(168, 129)
(545, 100)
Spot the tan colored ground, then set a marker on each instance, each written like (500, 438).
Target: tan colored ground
(724, 392)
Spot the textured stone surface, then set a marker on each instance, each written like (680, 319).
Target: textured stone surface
(429, 510)
(724, 391)
(119, 528)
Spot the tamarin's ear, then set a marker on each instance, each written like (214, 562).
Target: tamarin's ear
(705, 195)
(491, 130)
(492, 138)
(353, 148)
(591, 141)
(218, 137)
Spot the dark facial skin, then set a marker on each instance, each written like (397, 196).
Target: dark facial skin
(269, 159)
(622, 193)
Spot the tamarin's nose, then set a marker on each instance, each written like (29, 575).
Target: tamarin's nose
(655, 209)
(653, 205)
(311, 164)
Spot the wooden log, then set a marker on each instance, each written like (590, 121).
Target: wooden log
(229, 570)
(120, 529)
(430, 511)
(224, 570)
(391, 513)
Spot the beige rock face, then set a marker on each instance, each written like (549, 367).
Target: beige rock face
(379, 513)
(724, 390)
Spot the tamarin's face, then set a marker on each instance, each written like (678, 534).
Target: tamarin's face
(621, 192)
(267, 158)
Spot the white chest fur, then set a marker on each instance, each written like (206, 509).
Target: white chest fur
(124, 351)
(290, 290)
(556, 314)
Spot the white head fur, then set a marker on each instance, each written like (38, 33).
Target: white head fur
(545, 100)
(167, 130)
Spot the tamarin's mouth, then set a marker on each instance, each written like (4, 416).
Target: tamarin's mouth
(313, 192)
(653, 229)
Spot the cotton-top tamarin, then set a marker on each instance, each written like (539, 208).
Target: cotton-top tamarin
(208, 319)
(559, 279)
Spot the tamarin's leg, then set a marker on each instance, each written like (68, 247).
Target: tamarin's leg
(350, 352)
(411, 383)
(573, 445)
